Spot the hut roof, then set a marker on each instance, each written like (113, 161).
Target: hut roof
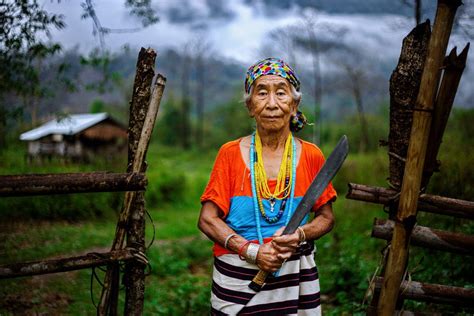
(69, 125)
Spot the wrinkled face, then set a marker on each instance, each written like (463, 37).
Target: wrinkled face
(272, 103)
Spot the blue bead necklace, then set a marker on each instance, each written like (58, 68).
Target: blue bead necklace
(284, 206)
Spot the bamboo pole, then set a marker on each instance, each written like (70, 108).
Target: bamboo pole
(428, 238)
(65, 183)
(15, 270)
(135, 271)
(426, 202)
(454, 67)
(434, 293)
(132, 215)
(406, 216)
(139, 107)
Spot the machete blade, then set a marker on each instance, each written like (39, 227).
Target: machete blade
(320, 182)
(328, 171)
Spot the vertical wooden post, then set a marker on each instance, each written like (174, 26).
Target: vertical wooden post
(404, 88)
(138, 110)
(134, 270)
(406, 216)
(454, 67)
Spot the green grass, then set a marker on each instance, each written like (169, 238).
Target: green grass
(29, 241)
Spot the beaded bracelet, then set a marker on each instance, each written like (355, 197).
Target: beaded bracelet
(242, 248)
(226, 242)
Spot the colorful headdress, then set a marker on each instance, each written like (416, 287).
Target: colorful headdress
(271, 66)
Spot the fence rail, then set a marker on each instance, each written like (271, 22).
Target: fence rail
(65, 183)
(428, 238)
(89, 260)
(426, 202)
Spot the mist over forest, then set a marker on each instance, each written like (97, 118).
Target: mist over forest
(317, 36)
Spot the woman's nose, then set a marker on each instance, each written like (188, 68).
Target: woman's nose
(272, 101)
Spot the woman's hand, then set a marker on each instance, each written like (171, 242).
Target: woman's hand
(268, 258)
(285, 245)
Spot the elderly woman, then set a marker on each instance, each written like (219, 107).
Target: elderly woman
(256, 183)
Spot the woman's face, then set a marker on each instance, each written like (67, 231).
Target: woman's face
(272, 103)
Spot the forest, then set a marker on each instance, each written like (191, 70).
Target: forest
(345, 85)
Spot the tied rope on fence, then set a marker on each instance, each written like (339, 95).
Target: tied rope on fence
(138, 255)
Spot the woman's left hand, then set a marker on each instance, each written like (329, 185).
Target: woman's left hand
(285, 245)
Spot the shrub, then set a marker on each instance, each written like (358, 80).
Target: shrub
(166, 186)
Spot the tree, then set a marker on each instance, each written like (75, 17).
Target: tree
(359, 78)
(185, 129)
(200, 51)
(138, 8)
(26, 47)
(317, 46)
(25, 25)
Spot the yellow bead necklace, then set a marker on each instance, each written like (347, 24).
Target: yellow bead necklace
(285, 174)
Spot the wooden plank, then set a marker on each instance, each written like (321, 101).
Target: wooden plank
(66, 183)
(15, 270)
(428, 238)
(433, 293)
(398, 255)
(426, 202)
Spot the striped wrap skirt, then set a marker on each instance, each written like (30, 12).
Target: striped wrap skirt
(294, 291)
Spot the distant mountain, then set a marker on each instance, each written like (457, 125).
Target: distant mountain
(200, 12)
(349, 6)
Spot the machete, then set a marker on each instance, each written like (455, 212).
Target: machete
(319, 184)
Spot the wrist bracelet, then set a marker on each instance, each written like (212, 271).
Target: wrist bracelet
(302, 235)
(252, 252)
(242, 248)
(226, 242)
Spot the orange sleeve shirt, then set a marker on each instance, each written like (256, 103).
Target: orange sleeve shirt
(230, 188)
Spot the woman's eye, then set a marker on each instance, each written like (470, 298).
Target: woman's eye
(262, 93)
(280, 93)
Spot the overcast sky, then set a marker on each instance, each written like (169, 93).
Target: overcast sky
(238, 38)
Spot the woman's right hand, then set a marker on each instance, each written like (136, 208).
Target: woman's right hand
(268, 259)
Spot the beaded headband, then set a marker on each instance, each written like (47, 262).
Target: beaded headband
(270, 66)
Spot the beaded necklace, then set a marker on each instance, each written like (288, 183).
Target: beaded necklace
(284, 180)
(289, 188)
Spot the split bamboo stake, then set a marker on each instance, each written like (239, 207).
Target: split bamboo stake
(454, 67)
(406, 216)
(139, 108)
(131, 197)
(135, 285)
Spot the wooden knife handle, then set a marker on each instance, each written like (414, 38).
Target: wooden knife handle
(258, 281)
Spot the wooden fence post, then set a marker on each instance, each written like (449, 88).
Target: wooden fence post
(138, 110)
(406, 216)
(135, 270)
(404, 87)
(454, 67)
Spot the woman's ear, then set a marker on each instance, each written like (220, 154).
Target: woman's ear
(294, 109)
